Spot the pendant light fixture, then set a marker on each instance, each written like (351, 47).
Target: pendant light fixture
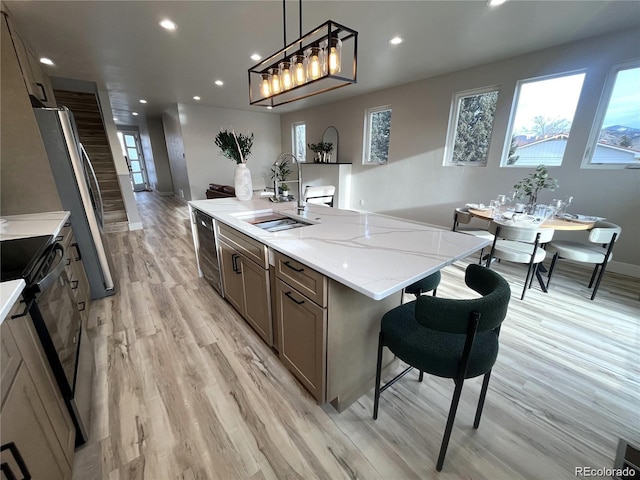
(322, 60)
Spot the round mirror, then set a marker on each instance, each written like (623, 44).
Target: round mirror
(331, 136)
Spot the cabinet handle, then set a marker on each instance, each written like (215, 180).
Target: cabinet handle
(59, 238)
(293, 268)
(27, 307)
(74, 284)
(84, 305)
(79, 257)
(18, 457)
(68, 262)
(234, 263)
(288, 294)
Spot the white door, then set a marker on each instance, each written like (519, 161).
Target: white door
(135, 159)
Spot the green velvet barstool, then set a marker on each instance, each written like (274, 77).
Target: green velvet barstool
(449, 338)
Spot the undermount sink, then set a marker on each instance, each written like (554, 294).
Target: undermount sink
(275, 222)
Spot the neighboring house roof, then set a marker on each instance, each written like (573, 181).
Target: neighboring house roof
(548, 150)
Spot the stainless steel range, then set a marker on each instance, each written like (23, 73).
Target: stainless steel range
(41, 262)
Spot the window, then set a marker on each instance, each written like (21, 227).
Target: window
(541, 120)
(470, 126)
(299, 140)
(615, 138)
(377, 133)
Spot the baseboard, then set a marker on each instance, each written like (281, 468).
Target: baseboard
(163, 194)
(135, 225)
(624, 269)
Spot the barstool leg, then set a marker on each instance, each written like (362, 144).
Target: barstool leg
(483, 394)
(447, 431)
(376, 398)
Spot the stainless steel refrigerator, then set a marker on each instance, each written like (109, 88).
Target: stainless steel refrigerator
(80, 194)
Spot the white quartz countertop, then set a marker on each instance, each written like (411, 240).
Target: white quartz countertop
(373, 254)
(9, 294)
(32, 225)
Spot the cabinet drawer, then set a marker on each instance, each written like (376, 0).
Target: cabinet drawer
(65, 236)
(246, 245)
(308, 282)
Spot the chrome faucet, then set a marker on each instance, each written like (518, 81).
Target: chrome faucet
(301, 205)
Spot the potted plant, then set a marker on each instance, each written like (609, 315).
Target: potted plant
(531, 185)
(279, 173)
(322, 150)
(237, 147)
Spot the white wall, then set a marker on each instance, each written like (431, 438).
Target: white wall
(175, 152)
(205, 164)
(415, 184)
(155, 155)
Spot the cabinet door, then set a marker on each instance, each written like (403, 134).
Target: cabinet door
(80, 276)
(257, 298)
(302, 326)
(9, 355)
(25, 423)
(232, 277)
(34, 359)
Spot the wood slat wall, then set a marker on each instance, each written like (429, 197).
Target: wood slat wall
(186, 389)
(93, 137)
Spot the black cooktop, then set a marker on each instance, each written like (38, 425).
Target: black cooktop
(22, 256)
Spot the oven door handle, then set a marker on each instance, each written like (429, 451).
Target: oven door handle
(54, 273)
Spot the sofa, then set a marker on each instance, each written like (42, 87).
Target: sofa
(220, 191)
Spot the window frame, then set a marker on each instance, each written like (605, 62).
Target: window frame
(294, 138)
(366, 147)
(598, 120)
(512, 114)
(452, 128)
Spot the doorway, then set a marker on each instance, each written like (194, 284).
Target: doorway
(132, 151)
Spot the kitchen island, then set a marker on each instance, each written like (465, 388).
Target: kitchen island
(316, 293)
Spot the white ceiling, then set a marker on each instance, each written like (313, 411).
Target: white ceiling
(120, 45)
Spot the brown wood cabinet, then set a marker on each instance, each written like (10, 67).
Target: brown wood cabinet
(245, 276)
(35, 425)
(302, 326)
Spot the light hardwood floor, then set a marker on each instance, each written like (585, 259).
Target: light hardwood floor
(184, 389)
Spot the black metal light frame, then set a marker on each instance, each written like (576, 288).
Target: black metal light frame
(325, 83)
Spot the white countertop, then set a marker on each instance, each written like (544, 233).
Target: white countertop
(373, 254)
(9, 294)
(32, 225)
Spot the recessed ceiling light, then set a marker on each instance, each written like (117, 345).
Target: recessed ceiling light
(142, 100)
(495, 3)
(115, 119)
(135, 114)
(255, 57)
(168, 24)
(196, 98)
(219, 83)
(396, 41)
(46, 61)
(269, 107)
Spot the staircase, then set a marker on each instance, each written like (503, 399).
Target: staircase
(93, 137)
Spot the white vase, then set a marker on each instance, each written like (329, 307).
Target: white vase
(242, 182)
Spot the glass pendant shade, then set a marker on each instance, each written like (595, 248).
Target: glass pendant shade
(299, 72)
(274, 76)
(286, 78)
(314, 63)
(334, 53)
(265, 87)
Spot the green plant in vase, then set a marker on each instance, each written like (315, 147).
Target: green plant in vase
(531, 185)
(236, 147)
(279, 173)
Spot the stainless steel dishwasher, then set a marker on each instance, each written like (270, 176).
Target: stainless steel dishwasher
(207, 252)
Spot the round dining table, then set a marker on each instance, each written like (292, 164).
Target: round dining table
(553, 222)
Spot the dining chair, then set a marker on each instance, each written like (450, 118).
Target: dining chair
(598, 250)
(319, 195)
(449, 338)
(461, 215)
(520, 245)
